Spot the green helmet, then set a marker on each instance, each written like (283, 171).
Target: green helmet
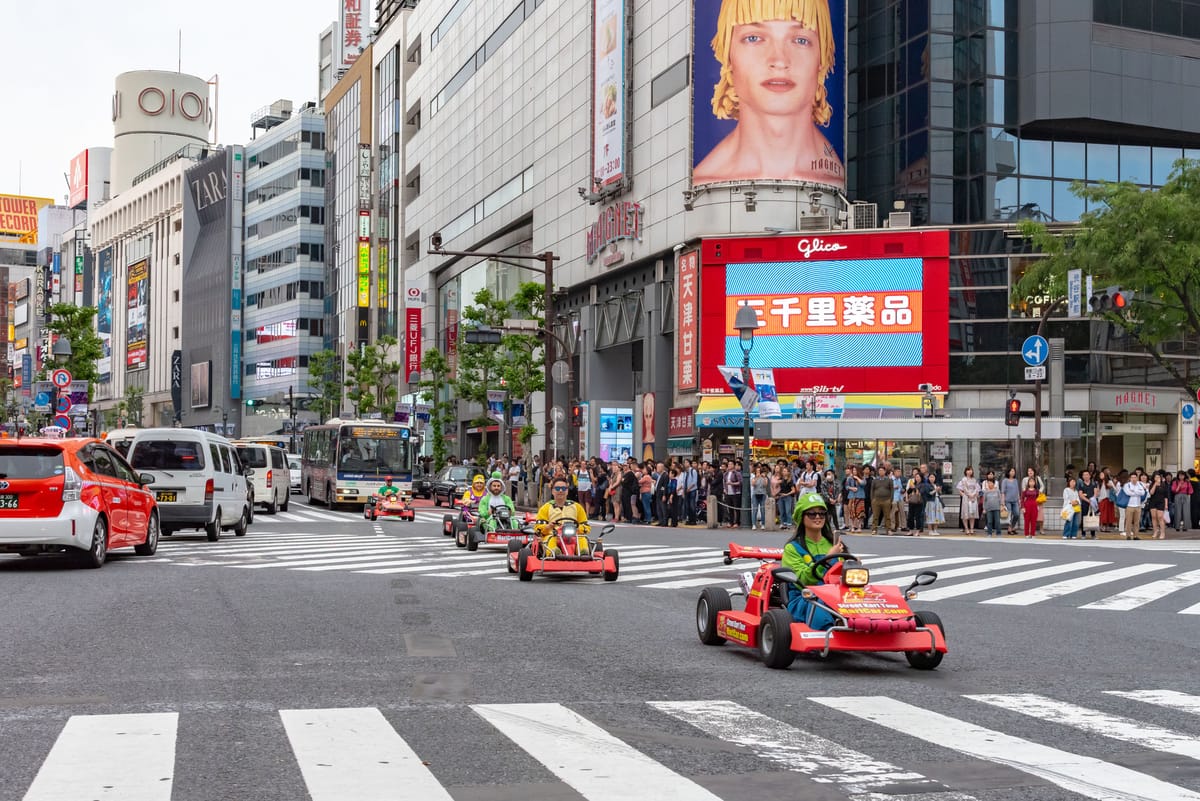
(496, 474)
(809, 500)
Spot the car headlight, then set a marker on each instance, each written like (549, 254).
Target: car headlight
(856, 576)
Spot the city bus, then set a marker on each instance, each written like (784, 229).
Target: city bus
(346, 461)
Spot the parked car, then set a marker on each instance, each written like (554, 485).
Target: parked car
(200, 481)
(272, 480)
(294, 464)
(423, 485)
(76, 496)
(452, 482)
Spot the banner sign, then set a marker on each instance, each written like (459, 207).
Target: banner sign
(176, 382)
(518, 414)
(104, 312)
(681, 421)
(609, 91)
(768, 399)
(412, 341)
(138, 303)
(687, 326)
(495, 403)
(745, 395)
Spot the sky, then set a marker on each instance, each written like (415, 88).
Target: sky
(60, 59)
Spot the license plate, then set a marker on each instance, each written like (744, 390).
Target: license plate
(8, 501)
(166, 497)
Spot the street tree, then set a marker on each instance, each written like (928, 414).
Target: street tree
(1147, 241)
(10, 405)
(75, 323)
(371, 377)
(511, 365)
(434, 390)
(325, 381)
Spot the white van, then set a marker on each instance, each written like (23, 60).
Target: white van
(199, 481)
(121, 438)
(271, 482)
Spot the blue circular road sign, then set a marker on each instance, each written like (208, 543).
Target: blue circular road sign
(1035, 350)
(1188, 411)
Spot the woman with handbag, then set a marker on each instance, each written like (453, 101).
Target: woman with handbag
(1071, 509)
(968, 504)
(1010, 488)
(1104, 494)
(1181, 492)
(993, 502)
(934, 516)
(1159, 491)
(916, 504)
(1030, 504)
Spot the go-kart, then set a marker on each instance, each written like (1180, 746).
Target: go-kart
(457, 525)
(390, 506)
(506, 530)
(868, 617)
(564, 551)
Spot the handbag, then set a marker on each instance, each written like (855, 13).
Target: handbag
(1067, 513)
(1122, 499)
(1167, 517)
(1041, 498)
(1091, 522)
(1004, 513)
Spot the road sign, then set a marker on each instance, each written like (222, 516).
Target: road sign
(1037, 373)
(1034, 350)
(61, 378)
(62, 421)
(557, 414)
(1188, 411)
(560, 371)
(42, 399)
(64, 405)
(1198, 395)
(1074, 293)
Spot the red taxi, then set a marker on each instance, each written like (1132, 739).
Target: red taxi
(76, 496)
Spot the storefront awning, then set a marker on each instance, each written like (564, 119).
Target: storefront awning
(915, 429)
(724, 411)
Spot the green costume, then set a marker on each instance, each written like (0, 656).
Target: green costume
(487, 519)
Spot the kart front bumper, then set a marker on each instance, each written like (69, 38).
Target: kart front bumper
(840, 638)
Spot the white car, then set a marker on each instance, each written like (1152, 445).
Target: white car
(271, 478)
(294, 468)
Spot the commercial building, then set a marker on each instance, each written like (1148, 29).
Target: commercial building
(612, 134)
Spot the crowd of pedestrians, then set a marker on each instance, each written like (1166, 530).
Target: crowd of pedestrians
(875, 498)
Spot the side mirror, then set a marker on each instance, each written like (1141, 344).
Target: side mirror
(248, 471)
(608, 529)
(922, 579)
(144, 479)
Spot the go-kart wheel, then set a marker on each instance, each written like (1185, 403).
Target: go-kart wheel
(514, 546)
(460, 535)
(712, 600)
(472, 538)
(523, 571)
(926, 660)
(611, 575)
(447, 524)
(775, 639)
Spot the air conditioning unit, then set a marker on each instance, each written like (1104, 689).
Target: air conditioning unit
(814, 222)
(899, 219)
(864, 216)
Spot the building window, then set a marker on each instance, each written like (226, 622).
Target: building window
(175, 332)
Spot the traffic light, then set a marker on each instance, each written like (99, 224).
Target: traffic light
(577, 416)
(252, 402)
(1111, 299)
(1012, 414)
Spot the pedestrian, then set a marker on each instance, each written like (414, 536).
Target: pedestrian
(1010, 489)
(855, 499)
(898, 519)
(831, 490)
(787, 497)
(1135, 494)
(759, 485)
(1157, 500)
(992, 500)
(1030, 495)
(968, 503)
(931, 493)
(732, 487)
(1181, 492)
(1071, 506)
(1106, 492)
(1194, 480)
(646, 493)
(671, 498)
(881, 501)
(916, 504)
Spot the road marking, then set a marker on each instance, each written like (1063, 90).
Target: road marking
(126, 757)
(802, 752)
(355, 753)
(928, 563)
(1001, 581)
(427, 563)
(1088, 776)
(269, 548)
(1140, 596)
(1096, 722)
(595, 764)
(1061, 588)
(346, 555)
(1168, 698)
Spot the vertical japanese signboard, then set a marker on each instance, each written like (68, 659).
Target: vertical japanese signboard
(609, 91)
(237, 173)
(687, 338)
(353, 26)
(412, 332)
(104, 312)
(137, 305)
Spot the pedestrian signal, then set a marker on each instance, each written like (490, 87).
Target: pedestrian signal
(1012, 415)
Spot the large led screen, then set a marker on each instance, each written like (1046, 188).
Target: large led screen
(839, 314)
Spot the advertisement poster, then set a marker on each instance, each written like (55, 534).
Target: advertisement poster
(495, 402)
(745, 395)
(104, 312)
(609, 92)
(769, 92)
(768, 398)
(138, 305)
(687, 327)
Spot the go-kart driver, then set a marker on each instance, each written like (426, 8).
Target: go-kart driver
(494, 499)
(558, 508)
(814, 539)
(388, 492)
(472, 497)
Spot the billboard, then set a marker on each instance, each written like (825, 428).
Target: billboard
(687, 327)
(138, 305)
(104, 312)
(78, 181)
(837, 314)
(769, 92)
(610, 91)
(19, 217)
(354, 18)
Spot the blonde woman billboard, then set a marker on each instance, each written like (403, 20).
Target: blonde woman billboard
(769, 96)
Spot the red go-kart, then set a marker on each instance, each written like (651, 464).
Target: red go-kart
(457, 525)
(868, 617)
(506, 530)
(391, 506)
(564, 551)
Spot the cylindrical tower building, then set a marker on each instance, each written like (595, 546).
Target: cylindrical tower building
(155, 113)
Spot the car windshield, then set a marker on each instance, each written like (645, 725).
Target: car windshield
(253, 457)
(24, 462)
(158, 454)
(459, 474)
(294, 463)
(373, 455)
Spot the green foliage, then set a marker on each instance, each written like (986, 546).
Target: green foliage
(434, 391)
(75, 323)
(325, 381)
(1141, 240)
(10, 405)
(371, 377)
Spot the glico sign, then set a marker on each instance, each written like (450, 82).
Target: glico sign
(862, 313)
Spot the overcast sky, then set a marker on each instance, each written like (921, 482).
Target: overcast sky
(60, 59)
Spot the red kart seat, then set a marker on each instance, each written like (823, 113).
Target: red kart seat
(881, 624)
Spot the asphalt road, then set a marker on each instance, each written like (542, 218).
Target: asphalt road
(327, 657)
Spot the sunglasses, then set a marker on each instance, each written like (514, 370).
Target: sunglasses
(560, 489)
(815, 514)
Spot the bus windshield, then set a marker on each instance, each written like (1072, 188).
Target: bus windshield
(378, 452)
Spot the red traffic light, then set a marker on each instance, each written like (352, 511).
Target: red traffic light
(1119, 300)
(577, 416)
(1012, 416)
(1014, 406)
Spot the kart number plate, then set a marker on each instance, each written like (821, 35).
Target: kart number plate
(746, 580)
(813, 635)
(166, 497)
(8, 501)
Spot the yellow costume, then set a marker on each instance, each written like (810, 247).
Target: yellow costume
(550, 514)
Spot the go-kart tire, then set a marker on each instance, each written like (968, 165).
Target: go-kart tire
(523, 571)
(473, 539)
(448, 530)
(775, 639)
(712, 601)
(460, 535)
(514, 546)
(925, 660)
(611, 575)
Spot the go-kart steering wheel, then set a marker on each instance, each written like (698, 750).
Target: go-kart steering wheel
(829, 557)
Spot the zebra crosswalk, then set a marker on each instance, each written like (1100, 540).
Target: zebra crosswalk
(1092, 584)
(859, 748)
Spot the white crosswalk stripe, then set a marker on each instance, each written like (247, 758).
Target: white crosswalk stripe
(360, 753)
(1140, 596)
(1059, 588)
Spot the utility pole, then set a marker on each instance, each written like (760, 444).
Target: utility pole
(292, 415)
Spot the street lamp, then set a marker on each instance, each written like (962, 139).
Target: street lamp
(61, 352)
(746, 321)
